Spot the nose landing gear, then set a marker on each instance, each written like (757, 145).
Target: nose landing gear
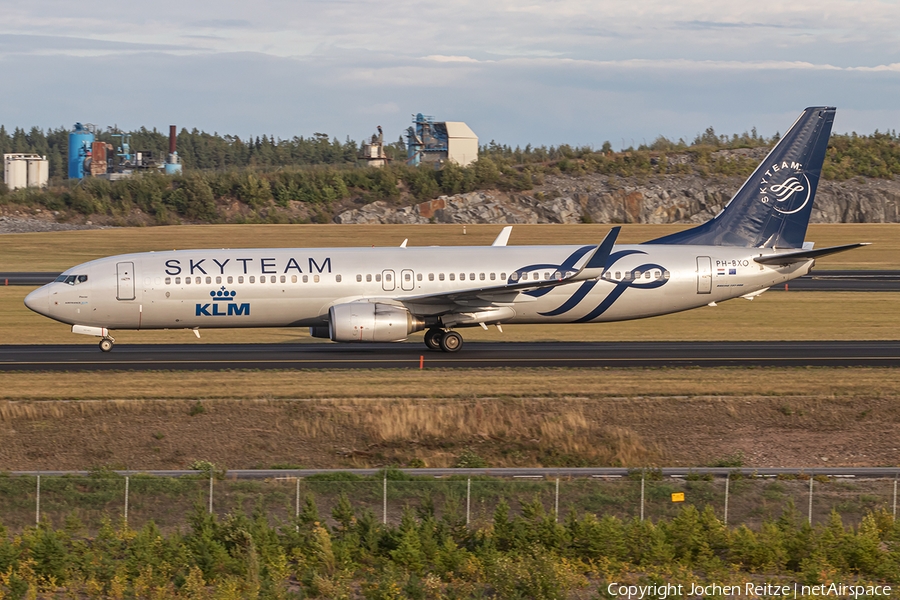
(448, 341)
(106, 344)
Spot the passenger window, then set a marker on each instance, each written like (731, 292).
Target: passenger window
(252, 279)
(368, 278)
(637, 274)
(431, 277)
(168, 280)
(627, 275)
(197, 280)
(187, 280)
(440, 276)
(208, 279)
(514, 277)
(493, 276)
(240, 279)
(666, 274)
(618, 275)
(387, 277)
(557, 275)
(481, 276)
(177, 280)
(546, 275)
(647, 275)
(283, 279)
(378, 277)
(407, 277)
(524, 276)
(315, 279)
(502, 276)
(337, 278)
(472, 277)
(418, 277)
(462, 276)
(230, 279)
(293, 279)
(306, 279)
(359, 278)
(452, 276)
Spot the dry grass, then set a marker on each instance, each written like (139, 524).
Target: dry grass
(125, 387)
(527, 431)
(57, 251)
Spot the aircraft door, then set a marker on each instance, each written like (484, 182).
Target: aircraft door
(387, 281)
(125, 279)
(406, 280)
(704, 275)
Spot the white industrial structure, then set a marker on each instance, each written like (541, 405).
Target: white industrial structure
(431, 141)
(25, 170)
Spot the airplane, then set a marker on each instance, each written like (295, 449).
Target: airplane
(386, 294)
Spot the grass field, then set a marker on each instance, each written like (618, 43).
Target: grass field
(57, 251)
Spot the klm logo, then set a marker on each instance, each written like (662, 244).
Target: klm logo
(223, 305)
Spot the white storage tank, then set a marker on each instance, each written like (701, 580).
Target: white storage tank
(25, 170)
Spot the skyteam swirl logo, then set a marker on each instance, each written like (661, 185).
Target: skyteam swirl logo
(619, 289)
(783, 197)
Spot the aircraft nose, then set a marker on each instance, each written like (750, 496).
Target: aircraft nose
(39, 300)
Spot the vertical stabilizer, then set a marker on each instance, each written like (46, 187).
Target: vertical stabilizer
(772, 208)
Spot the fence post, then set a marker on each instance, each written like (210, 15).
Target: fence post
(642, 495)
(126, 502)
(37, 518)
(727, 479)
(810, 497)
(468, 500)
(297, 512)
(210, 492)
(384, 519)
(895, 497)
(556, 504)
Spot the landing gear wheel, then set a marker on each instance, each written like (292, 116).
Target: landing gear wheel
(451, 342)
(106, 344)
(433, 338)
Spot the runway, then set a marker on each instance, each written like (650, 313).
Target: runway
(214, 357)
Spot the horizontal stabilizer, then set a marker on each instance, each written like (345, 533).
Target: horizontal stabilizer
(803, 255)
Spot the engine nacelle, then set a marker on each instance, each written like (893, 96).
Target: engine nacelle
(371, 322)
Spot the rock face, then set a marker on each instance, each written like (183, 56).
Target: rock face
(601, 199)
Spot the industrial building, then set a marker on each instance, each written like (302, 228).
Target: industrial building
(90, 157)
(430, 141)
(373, 152)
(25, 170)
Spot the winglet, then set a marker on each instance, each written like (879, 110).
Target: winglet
(503, 237)
(601, 254)
(403, 245)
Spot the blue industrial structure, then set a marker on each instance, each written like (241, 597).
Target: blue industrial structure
(80, 142)
(427, 141)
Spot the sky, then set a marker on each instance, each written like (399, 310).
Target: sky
(544, 72)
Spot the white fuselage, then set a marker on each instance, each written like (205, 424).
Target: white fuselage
(296, 287)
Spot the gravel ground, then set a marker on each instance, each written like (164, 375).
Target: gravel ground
(31, 225)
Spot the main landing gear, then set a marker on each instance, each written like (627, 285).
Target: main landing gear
(448, 341)
(106, 344)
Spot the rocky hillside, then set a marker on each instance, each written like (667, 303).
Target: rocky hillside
(611, 199)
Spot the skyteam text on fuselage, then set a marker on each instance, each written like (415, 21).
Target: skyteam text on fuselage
(385, 294)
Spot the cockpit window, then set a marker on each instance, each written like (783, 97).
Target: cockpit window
(71, 279)
(60, 278)
(82, 278)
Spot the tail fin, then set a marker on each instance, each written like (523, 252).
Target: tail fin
(772, 208)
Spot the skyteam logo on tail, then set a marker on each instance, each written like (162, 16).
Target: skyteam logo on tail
(222, 305)
(783, 186)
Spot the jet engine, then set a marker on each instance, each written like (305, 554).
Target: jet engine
(371, 322)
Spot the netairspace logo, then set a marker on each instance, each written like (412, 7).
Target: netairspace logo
(222, 305)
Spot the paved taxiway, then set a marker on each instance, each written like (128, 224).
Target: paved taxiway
(201, 357)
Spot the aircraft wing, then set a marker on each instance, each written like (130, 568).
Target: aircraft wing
(506, 293)
(803, 255)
